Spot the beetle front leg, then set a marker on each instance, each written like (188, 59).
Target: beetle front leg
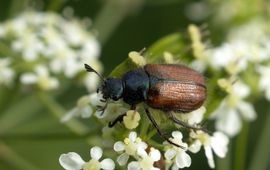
(116, 120)
(186, 125)
(160, 132)
(120, 117)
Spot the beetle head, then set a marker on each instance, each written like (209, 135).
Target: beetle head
(112, 88)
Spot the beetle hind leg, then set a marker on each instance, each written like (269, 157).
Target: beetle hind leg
(160, 132)
(186, 125)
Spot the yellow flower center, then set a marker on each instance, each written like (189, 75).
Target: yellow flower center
(92, 165)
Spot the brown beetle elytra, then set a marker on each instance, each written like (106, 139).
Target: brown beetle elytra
(175, 88)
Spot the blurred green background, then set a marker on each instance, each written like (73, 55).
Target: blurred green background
(35, 138)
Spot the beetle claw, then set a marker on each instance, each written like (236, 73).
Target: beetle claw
(102, 100)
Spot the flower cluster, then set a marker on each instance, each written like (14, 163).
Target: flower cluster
(145, 157)
(247, 48)
(73, 161)
(40, 48)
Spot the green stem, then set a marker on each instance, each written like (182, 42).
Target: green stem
(225, 163)
(14, 160)
(260, 158)
(58, 111)
(7, 96)
(241, 147)
(111, 15)
(144, 126)
(151, 133)
(46, 136)
(19, 112)
(155, 144)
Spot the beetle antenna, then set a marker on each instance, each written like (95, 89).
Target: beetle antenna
(90, 69)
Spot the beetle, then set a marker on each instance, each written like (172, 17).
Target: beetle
(167, 87)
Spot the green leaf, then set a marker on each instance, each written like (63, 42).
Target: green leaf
(172, 43)
(214, 95)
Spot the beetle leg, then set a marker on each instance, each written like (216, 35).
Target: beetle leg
(160, 132)
(116, 120)
(186, 125)
(120, 117)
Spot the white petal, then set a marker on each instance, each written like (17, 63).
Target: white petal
(95, 99)
(69, 115)
(53, 83)
(267, 95)
(177, 135)
(219, 143)
(71, 161)
(170, 154)
(134, 166)
(193, 117)
(100, 114)
(142, 152)
(107, 164)
(41, 70)
(86, 112)
(183, 160)
(247, 110)
(28, 78)
(142, 145)
(119, 146)
(240, 89)
(195, 146)
(209, 156)
(132, 136)
(197, 116)
(154, 168)
(229, 122)
(122, 159)
(96, 152)
(174, 167)
(154, 154)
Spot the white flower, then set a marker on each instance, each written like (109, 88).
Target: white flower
(73, 161)
(84, 107)
(264, 83)
(41, 77)
(232, 108)
(218, 143)
(6, 73)
(60, 45)
(246, 43)
(194, 117)
(231, 56)
(175, 156)
(111, 110)
(146, 160)
(129, 147)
